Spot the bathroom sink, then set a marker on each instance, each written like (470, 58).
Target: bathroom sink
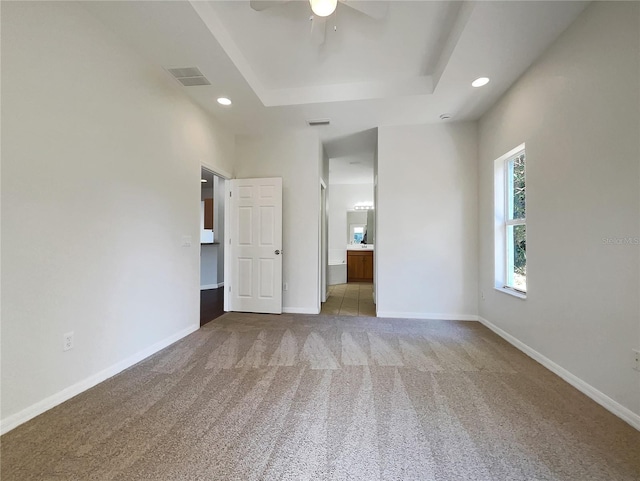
(359, 247)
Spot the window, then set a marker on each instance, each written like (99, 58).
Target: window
(357, 233)
(511, 227)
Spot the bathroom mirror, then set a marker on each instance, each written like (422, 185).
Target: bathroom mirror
(371, 226)
(357, 227)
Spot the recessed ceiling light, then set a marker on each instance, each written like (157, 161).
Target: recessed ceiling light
(224, 101)
(203, 180)
(479, 82)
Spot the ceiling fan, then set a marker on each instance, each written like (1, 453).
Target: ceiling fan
(322, 9)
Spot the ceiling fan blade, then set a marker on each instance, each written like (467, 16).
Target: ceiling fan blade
(318, 30)
(374, 9)
(259, 5)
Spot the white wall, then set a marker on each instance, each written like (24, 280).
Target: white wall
(296, 157)
(426, 242)
(342, 198)
(209, 261)
(101, 158)
(578, 111)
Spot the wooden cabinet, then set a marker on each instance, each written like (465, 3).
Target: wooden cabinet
(360, 266)
(208, 214)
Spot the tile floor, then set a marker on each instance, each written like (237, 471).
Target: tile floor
(352, 299)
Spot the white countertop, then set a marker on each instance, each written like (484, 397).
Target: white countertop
(359, 247)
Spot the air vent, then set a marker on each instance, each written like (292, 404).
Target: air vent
(193, 81)
(189, 76)
(313, 123)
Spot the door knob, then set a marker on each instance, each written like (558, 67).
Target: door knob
(277, 252)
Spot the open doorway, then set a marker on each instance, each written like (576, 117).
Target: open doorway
(212, 200)
(351, 236)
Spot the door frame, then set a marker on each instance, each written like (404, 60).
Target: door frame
(323, 246)
(224, 176)
(228, 277)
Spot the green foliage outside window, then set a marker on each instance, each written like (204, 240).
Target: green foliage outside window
(520, 238)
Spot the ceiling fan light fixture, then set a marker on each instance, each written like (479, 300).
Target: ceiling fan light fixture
(323, 8)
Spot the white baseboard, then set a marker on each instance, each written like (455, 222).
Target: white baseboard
(427, 316)
(211, 286)
(38, 408)
(300, 310)
(605, 401)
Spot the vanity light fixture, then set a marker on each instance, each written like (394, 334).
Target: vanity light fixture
(323, 8)
(204, 181)
(224, 101)
(479, 82)
(363, 206)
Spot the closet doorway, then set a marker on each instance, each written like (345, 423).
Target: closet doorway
(212, 200)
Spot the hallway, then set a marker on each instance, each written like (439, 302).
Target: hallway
(211, 305)
(352, 299)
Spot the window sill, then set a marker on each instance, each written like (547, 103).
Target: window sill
(511, 292)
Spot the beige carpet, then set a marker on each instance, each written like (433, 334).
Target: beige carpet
(260, 397)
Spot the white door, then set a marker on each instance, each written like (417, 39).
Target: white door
(255, 242)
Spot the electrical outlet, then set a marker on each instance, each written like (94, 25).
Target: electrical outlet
(67, 341)
(636, 364)
(285, 286)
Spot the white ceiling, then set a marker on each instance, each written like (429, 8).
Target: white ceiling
(207, 175)
(351, 161)
(403, 45)
(351, 169)
(412, 65)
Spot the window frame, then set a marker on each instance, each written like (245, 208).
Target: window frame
(504, 223)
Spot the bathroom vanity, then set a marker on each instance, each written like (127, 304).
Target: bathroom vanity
(360, 263)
